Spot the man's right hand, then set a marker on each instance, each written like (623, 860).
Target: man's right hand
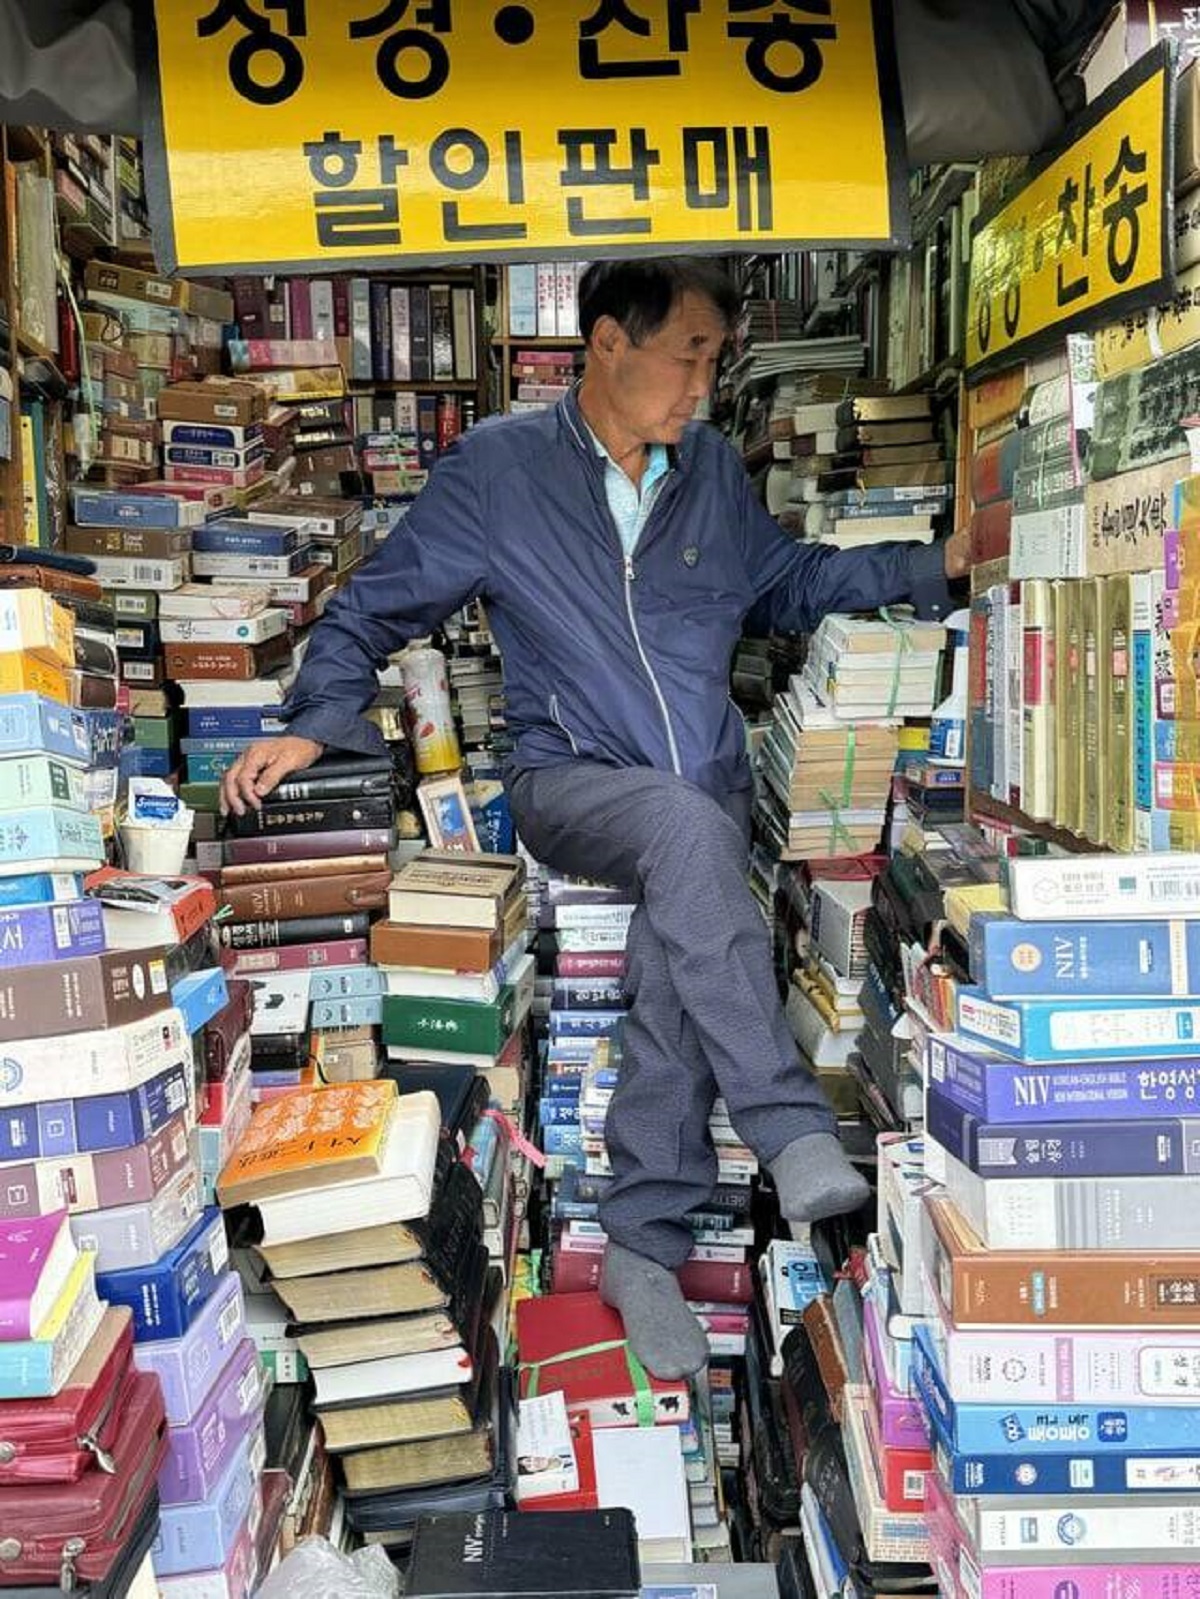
(261, 767)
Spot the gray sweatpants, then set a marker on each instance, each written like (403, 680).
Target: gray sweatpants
(704, 1013)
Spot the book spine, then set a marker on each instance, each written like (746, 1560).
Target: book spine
(419, 312)
(1047, 1149)
(301, 930)
(1030, 1367)
(360, 331)
(35, 934)
(458, 1024)
(1031, 1431)
(306, 846)
(402, 370)
(1139, 1527)
(289, 957)
(381, 332)
(136, 1235)
(1013, 959)
(315, 816)
(1009, 1091)
(1048, 1030)
(1091, 1213)
(1037, 741)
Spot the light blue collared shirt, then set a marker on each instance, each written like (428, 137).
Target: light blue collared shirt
(629, 502)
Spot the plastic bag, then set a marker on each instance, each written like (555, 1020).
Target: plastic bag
(316, 1570)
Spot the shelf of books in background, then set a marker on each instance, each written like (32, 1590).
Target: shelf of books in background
(536, 338)
(1033, 1272)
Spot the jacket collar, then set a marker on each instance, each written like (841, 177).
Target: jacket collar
(572, 424)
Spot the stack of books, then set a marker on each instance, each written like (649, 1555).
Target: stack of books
(301, 880)
(861, 469)
(458, 987)
(541, 378)
(368, 1234)
(823, 1006)
(1058, 1252)
(590, 1438)
(868, 671)
(827, 780)
(83, 1428)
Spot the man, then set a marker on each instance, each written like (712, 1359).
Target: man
(620, 549)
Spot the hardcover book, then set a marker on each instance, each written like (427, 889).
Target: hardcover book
(525, 1555)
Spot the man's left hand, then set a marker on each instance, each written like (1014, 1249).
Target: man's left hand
(958, 554)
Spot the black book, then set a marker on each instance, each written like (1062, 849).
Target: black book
(314, 786)
(275, 1052)
(304, 930)
(419, 333)
(312, 816)
(461, 1092)
(502, 1554)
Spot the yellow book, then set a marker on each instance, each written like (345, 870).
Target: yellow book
(968, 899)
(21, 673)
(311, 1139)
(1116, 710)
(34, 622)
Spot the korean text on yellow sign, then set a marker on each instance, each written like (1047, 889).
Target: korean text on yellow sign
(1089, 237)
(308, 133)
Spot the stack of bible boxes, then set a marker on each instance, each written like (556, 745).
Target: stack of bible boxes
(369, 1227)
(141, 544)
(167, 1258)
(301, 880)
(458, 987)
(1057, 1364)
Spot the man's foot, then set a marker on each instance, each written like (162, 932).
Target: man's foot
(662, 1332)
(814, 1178)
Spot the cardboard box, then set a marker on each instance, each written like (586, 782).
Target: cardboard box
(214, 400)
(109, 278)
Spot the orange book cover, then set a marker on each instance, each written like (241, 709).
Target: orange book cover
(309, 1139)
(22, 674)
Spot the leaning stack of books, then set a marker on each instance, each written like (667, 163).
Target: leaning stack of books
(369, 1235)
(83, 1429)
(1060, 1252)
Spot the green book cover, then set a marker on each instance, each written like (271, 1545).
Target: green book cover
(40, 780)
(418, 1022)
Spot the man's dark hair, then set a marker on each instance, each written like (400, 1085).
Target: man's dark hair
(640, 294)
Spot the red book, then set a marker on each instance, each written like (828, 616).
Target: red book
(991, 531)
(550, 1333)
(142, 910)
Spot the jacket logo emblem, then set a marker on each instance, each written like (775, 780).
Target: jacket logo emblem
(691, 555)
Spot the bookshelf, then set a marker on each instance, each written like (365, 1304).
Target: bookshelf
(504, 344)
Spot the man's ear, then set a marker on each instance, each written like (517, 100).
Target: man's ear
(607, 340)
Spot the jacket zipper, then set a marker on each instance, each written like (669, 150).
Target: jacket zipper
(658, 693)
(561, 725)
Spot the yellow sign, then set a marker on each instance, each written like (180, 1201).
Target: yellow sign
(1089, 237)
(292, 134)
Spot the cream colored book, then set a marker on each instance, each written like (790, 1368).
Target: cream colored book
(401, 1192)
(358, 1295)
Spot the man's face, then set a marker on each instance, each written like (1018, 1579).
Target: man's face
(653, 388)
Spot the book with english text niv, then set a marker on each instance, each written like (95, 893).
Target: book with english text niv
(532, 1555)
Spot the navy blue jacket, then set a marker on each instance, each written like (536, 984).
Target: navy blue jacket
(624, 661)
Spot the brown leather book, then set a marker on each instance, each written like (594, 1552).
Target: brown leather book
(456, 949)
(306, 896)
(51, 580)
(229, 662)
(285, 871)
(822, 1329)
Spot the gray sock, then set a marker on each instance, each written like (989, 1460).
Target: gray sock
(814, 1178)
(662, 1332)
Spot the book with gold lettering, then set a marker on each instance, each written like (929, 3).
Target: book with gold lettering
(311, 1139)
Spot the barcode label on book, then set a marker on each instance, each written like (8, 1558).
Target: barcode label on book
(914, 1486)
(1174, 888)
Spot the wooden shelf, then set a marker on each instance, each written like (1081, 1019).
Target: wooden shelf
(985, 805)
(33, 348)
(419, 385)
(567, 342)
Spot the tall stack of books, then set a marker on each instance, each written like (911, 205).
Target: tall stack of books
(458, 987)
(541, 377)
(368, 1233)
(301, 880)
(1060, 1336)
(827, 779)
